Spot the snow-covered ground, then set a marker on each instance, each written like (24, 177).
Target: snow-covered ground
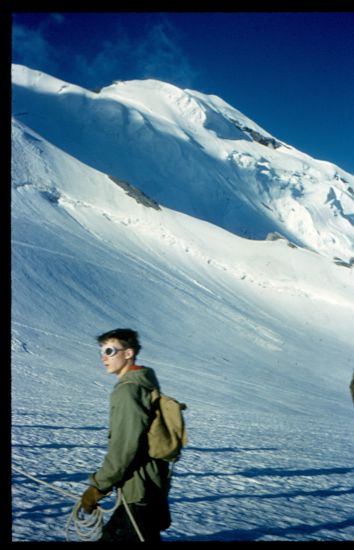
(255, 336)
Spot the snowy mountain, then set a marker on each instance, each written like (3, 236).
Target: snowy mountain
(129, 208)
(195, 154)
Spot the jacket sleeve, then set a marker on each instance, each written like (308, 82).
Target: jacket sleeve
(127, 447)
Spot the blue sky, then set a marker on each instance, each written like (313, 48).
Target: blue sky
(292, 73)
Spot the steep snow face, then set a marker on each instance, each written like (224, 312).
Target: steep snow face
(86, 253)
(195, 154)
(256, 337)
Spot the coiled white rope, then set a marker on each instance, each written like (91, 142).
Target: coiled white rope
(88, 528)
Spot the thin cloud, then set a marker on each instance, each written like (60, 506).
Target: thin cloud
(160, 56)
(29, 47)
(57, 18)
(156, 54)
(111, 62)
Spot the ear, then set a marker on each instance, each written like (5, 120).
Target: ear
(129, 353)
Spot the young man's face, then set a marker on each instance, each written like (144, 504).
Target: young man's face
(115, 358)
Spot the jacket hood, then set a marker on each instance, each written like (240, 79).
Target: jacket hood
(145, 377)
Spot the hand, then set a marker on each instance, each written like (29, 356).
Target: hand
(90, 498)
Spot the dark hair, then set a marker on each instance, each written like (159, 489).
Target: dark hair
(127, 337)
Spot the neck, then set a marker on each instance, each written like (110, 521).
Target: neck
(131, 365)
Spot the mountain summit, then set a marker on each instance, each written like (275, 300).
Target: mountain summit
(196, 154)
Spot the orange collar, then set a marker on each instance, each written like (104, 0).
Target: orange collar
(135, 367)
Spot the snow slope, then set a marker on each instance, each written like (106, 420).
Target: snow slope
(256, 336)
(196, 154)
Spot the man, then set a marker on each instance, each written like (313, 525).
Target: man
(143, 481)
(352, 388)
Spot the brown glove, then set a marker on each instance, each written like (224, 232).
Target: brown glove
(90, 498)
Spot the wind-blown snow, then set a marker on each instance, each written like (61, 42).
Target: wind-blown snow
(256, 336)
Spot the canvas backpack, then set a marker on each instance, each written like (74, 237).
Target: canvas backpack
(167, 434)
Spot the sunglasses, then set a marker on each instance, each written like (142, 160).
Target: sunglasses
(110, 351)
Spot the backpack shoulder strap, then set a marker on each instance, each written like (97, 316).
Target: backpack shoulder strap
(155, 392)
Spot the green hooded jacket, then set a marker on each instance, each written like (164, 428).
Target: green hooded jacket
(127, 464)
